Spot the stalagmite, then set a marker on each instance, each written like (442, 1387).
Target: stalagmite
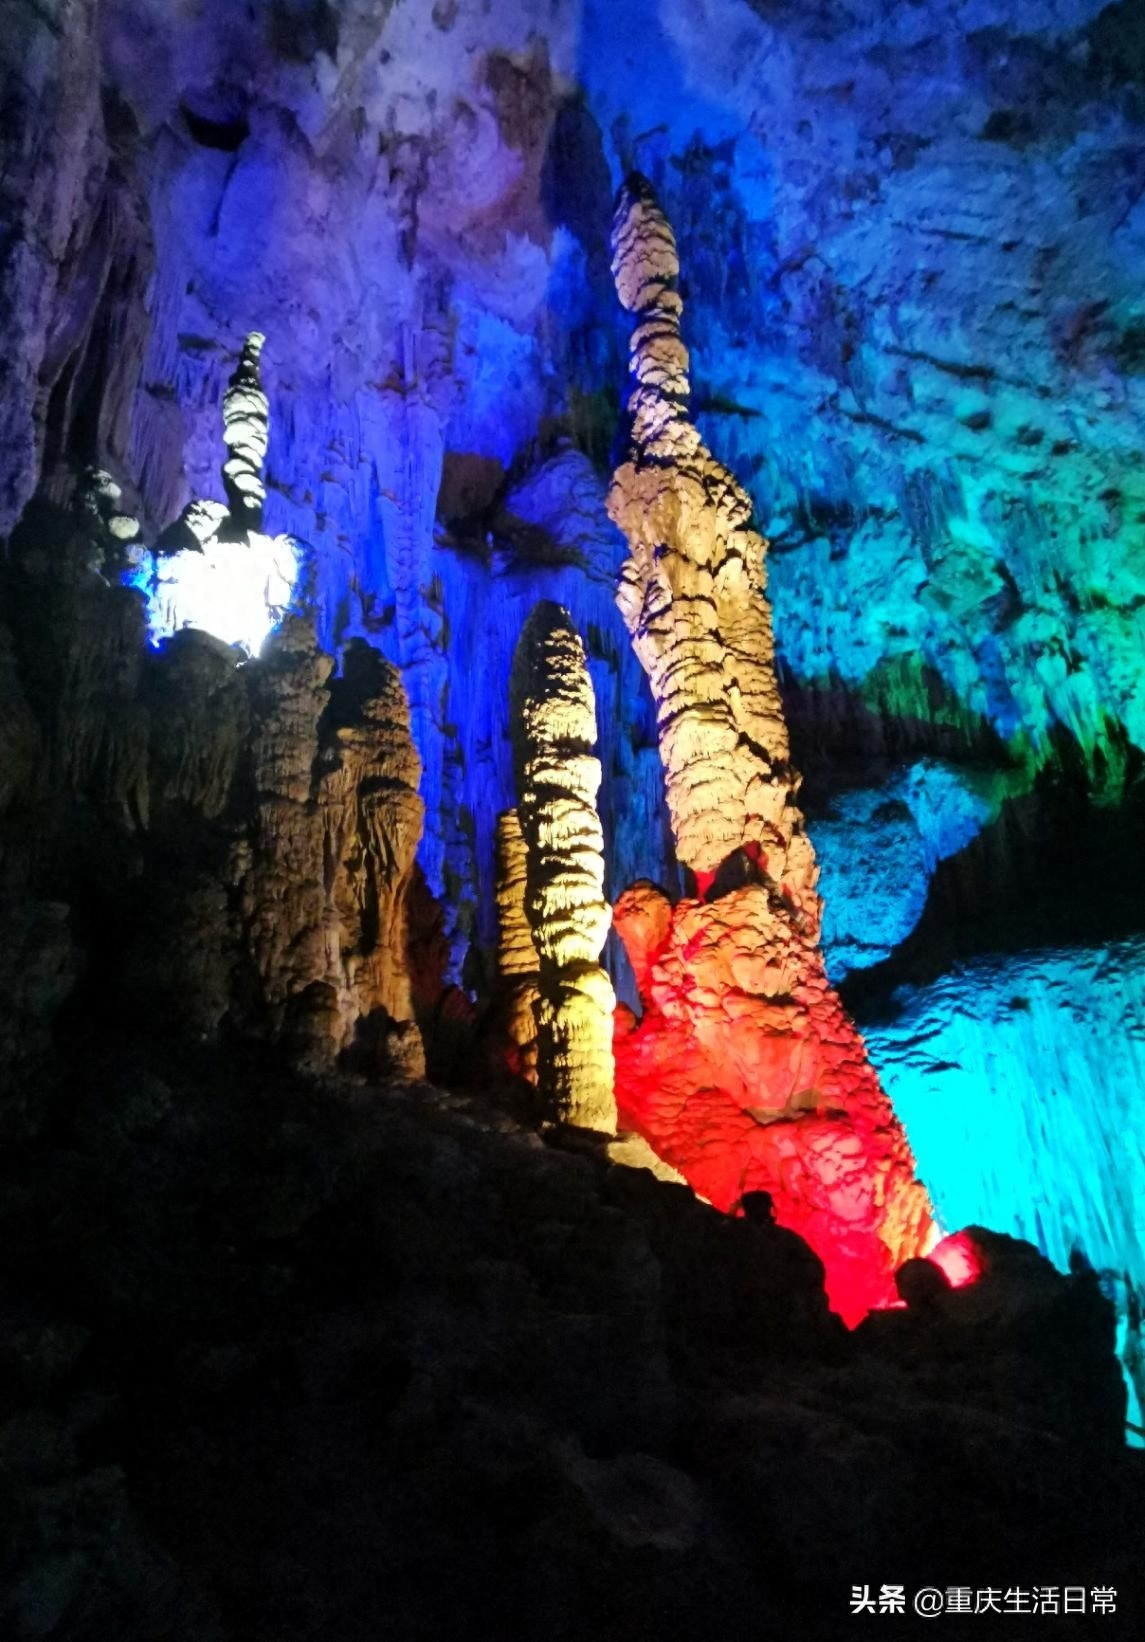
(744, 1072)
(328, 860)
(691, 591)
(246, 429)
(558, 776)
(215, 569)
(518, 965)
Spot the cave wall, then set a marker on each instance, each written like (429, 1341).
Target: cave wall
(912, 239)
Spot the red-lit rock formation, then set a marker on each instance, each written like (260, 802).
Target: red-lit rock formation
(745, 1072)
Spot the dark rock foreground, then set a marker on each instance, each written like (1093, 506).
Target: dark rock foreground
(294, 1363)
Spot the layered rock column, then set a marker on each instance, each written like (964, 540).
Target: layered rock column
(214, 568)
(691, 591)
(294, 796)
(518, 965)
(745, 1072)
(246, 434)
(558, 777)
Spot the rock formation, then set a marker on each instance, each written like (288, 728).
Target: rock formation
(517, 962)
(927, 377)
(246, 427)
(558, 775)
(222, 847)
(745, 1072)
(215, 569)
(691, 592)
(299, 811)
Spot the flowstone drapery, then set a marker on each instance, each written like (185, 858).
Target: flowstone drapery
(744, 1072)
(558, 775)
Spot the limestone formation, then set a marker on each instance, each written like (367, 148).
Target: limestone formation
(558, 775)
(745, 1072)
(517, 962)
(368, 772)
(246, 428)
(215, 569)
(325, 867)
(691, 591)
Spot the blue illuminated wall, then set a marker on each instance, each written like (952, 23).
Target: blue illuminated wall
(1020, 1081)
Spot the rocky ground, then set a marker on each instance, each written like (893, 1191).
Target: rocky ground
(290, 1362)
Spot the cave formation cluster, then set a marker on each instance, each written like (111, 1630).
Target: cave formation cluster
(914, 322)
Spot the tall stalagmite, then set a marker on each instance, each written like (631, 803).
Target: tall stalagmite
(558, 776)
(246, 433)
(518, 965)
(744, 1072)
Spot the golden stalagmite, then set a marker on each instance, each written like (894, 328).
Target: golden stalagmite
(744, 1071)
(553, 713)
(518, 965)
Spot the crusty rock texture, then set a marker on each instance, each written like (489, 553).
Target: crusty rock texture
(691, 591)
(301, 798)
(246, 427)
(745, 1072)
(324, 869)
(221, 845)
(518, 964)
(558, 775)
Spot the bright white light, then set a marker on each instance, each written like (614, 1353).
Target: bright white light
(238, 591)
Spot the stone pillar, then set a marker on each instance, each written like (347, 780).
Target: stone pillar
(554, 732)
(744, 1072)
(692, 591)
(246, 430)
(518, 965)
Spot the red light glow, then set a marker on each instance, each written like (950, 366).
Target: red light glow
(958, 1259)
(746, 1074)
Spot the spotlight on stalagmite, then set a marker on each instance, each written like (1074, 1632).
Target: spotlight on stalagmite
(224, 575)
(744, 1072)
(553, 712)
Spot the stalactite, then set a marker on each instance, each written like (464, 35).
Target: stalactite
(744, 1072)
(518, 965)
(246, 429)
(558, 776)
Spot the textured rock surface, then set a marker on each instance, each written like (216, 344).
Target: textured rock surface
(330, 853)
(214, 568)
(279, 1365)
(517, 961)
(227, 847)
(744, 1072)
(1050, 1066)
(914, 244)
(246, 413)
(692, 591)
(558, 777)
